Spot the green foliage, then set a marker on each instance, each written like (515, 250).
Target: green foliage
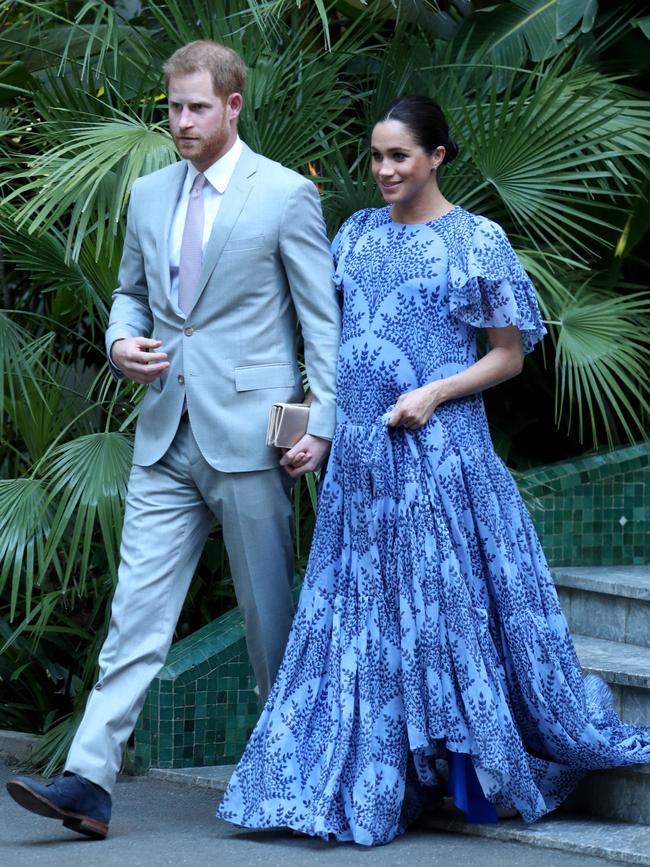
(542, 98)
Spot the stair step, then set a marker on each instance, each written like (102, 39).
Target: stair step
(629, 581)
(608, 602)
(623, 793)
(213, 777)
(618, 794)
(613, 841)
(625, 668)
(616, 662)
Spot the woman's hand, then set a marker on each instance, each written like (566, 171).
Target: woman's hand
(503, 361)
(414, 408)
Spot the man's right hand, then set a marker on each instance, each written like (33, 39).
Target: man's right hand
(135, 357)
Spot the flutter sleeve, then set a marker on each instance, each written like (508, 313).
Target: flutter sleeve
(488, 287)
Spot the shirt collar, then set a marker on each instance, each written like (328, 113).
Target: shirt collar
(218, 175)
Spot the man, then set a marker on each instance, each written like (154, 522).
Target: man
(223, 251)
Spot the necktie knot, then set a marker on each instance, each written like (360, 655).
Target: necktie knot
(198, 184)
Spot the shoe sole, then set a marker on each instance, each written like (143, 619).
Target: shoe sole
(36, 803)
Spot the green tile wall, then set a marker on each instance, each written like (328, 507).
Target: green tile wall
(594, 511)
(201, 708)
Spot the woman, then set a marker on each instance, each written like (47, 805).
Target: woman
(428, 635)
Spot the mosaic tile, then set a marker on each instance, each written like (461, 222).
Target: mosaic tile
(577, 507)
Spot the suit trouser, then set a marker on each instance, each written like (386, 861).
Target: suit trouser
(170, 509)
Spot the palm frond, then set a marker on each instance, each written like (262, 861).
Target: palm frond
(89, 177)
(52, 748)
(549, 271)
(21, 364)
(508, 32)
(296, 108)
(602, 360)
(271, 14)
(50, 40)
(99, 22)
(24, 527)
(347, 187)
(87, 284)
(87, 479)
(546, 148)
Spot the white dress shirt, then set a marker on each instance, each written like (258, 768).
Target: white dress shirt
(217, 176)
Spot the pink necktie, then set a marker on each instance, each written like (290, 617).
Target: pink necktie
(191, 246)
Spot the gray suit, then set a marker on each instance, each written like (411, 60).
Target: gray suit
(268, 257)
(267, 263)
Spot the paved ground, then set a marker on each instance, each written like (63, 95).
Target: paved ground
(157, 823)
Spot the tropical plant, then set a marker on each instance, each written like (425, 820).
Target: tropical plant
(553, 136)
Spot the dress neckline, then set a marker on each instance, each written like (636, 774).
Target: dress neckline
(433, 222)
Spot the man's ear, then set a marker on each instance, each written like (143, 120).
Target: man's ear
(234, 105)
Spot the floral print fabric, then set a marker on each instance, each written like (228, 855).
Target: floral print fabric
(428, 623)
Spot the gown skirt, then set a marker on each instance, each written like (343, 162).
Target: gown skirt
(429, 653)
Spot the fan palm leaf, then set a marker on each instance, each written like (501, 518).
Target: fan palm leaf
(86, 481)
(602, 360)
(24, 527)
(295, 109)
(178, 22)
(50, 752)
(21, 364)
(48, 40)
(89, 177)
(38, 424)
(546, 152)
(295, 113)
(87, 284)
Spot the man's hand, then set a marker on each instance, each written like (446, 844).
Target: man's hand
(306, 456)
(137, 361)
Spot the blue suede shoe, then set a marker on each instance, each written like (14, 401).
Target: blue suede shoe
(81, 805)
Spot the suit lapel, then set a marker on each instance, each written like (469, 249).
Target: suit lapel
(232, 204)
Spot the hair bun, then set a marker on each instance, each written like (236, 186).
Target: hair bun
(451, 152)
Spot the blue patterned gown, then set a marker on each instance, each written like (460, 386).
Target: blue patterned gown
(428, 632)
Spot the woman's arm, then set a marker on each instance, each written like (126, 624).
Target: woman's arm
(503, 361)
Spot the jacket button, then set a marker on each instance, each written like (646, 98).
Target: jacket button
(180, 378)
(189, 332)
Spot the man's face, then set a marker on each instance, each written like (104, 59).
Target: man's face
(203, 125)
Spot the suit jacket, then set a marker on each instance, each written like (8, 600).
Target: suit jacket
(266, 263)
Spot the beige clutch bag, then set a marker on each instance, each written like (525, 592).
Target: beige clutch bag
(287, 424)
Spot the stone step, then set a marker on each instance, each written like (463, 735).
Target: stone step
(213, 777)
(613, 841)
(626, 668)
(619, 794)
(609, 602)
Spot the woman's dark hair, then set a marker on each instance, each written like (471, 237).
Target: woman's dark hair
(425, 121)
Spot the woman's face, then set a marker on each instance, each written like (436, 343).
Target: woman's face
(400, 166)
